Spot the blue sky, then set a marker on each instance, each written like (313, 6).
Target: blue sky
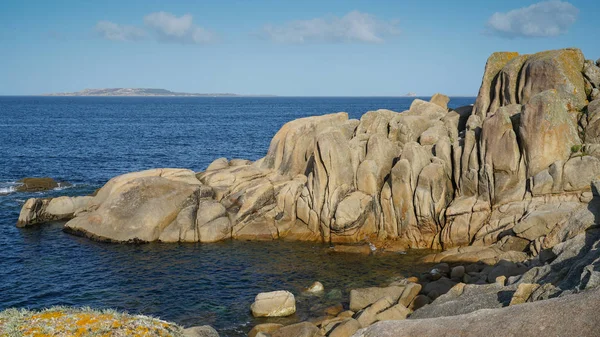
(300, 48)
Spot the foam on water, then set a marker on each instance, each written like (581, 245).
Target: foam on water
(8, 187)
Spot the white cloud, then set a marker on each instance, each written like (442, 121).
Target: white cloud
(352, 27)
(170, 28)
(113, 31)
(543, 19)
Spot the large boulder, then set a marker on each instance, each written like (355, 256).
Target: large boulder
(547, 130)
(363, 297)
(440, 99)
(274, 304)
(560, 70)
(494, 64)
(137, 207)
(503, 167)
(294, 143)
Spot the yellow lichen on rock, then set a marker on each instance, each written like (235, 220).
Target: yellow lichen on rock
(80, 322)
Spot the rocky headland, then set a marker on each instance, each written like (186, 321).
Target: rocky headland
(507, 190)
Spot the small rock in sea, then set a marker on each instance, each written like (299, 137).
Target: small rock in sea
(38, 184)
(274, 304)
(315, 288)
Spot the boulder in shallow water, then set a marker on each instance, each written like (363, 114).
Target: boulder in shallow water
(274, 304)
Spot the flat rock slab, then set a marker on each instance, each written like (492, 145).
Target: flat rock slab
(473, 297)
(573, 315)
(361, 298)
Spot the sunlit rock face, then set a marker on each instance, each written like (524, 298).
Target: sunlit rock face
(428, 177)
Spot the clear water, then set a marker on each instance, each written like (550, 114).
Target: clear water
(88, 140)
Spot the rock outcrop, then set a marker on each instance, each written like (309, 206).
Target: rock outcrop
(566, 316)
(508, 175)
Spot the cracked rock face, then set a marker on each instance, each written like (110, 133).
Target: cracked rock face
(505, 172)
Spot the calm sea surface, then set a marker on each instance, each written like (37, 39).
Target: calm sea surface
(88, 140)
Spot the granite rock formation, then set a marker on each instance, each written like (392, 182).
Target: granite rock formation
(517, 166)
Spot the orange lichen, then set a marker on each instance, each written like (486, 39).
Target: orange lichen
(83, 322)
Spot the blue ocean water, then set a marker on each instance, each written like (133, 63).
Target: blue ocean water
(88, 140)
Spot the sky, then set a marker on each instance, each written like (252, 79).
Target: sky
(287, 48)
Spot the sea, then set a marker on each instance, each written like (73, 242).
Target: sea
(88, 140)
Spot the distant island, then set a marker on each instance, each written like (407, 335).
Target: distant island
(411, 94)
(143, 92)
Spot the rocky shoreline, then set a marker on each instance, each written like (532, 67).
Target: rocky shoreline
(508, 189)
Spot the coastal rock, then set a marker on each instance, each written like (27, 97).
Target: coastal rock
(368, 315)
(363, 297)
(294, 143)
(345, 329)
(564, 316)
(493, 66)
(218, 164)
(592, 73)
(523, 293)
(440, 99)
(36, 184)
(274, 304)
(304, 329)
(137, 209)
(425, 178)
(36, 211)
(265, 328)
(547, 131)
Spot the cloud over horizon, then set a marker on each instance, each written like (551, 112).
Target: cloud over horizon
(170, 28)
(543, 19)
(162, 26)
(115, 32)
(352, 27)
